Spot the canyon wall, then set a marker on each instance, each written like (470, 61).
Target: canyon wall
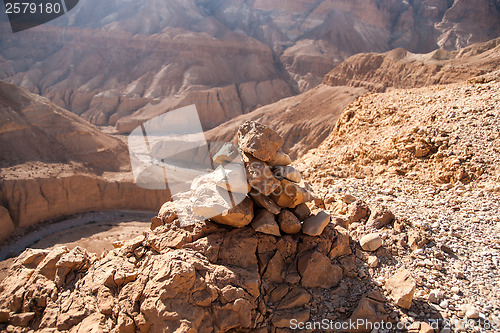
(30, 201)
(53, 163)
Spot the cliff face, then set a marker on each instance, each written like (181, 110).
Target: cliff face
(53, 164)
(30, 201)
(120, 60)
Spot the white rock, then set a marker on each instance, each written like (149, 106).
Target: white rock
(444, 304)
(372, 261)
(371, 242)
(470, 311)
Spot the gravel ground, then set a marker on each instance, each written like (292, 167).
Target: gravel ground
(464, 219)
(432, 156)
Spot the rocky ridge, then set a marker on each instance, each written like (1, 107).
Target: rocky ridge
(399, 68)
(440, 134)
(216, 275)
(307, 119)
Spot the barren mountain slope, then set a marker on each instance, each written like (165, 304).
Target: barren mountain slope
(121, 62)
(431, 156)
(438, 134)
(105, 76)
(32, 129)
(53, 163)
(307, 119)
(402, 69)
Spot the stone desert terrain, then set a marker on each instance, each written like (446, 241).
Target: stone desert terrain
(367, 199)
(365, 242)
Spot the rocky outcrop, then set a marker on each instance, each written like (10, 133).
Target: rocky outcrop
(201, 277)
(257, 266)
(204, 278)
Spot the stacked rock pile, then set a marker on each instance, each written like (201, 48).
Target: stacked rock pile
(217, 274)
(271, 195)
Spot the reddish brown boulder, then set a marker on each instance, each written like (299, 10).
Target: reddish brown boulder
(301, 211)
(401, 287)
(288, 194)
(265, 222)
(316, 223)
(260, 176)
(259, 140)
(317, 270)
(380, 216)
(288, 222)
(265, 202)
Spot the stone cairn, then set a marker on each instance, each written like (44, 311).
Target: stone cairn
(275, 197)
(263, 265)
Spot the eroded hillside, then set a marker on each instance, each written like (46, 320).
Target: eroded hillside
(53, 164)
(307, 119)
(105, 63)
(402, 69)
(430, 155)
(439, 134)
